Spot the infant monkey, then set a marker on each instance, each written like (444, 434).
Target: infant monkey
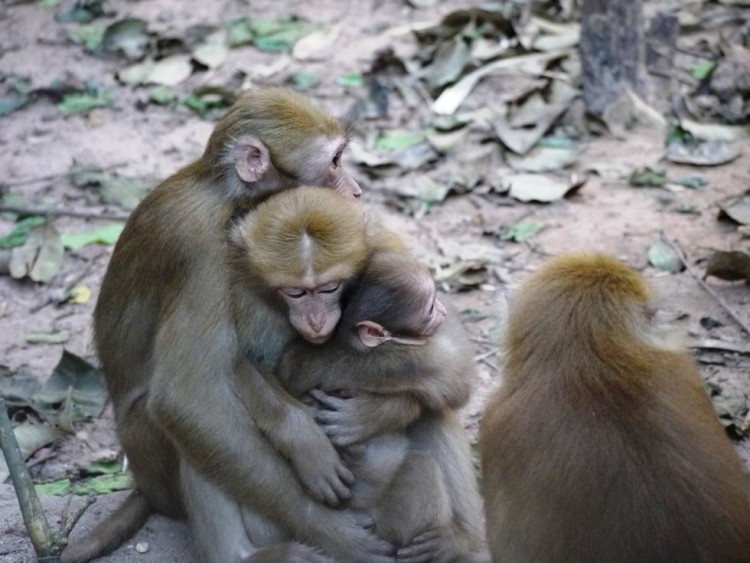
(409, 367)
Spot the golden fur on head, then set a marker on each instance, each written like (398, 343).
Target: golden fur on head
(286, 122)
(299, 235)
(587, 298)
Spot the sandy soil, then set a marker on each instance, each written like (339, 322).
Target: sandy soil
(38, 145)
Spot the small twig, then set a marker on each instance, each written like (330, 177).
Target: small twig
(40, 534)
(26, 181)
(485, 355)
(721, 346)
(69, 520)
(21, 210)
(489, 364)
(42, 459)
(676, 247)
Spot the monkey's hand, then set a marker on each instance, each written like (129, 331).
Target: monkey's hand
(343, 419)
(423, 548)
(319, 466)
(351, 419)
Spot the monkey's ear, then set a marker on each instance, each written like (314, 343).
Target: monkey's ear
(251, 158)
(408, 340)
(372, 334)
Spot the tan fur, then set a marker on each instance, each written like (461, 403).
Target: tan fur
(311, 220)
(411, 457)
(165, 333)
(602, 445)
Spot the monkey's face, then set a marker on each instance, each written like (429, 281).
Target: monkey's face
(433, 318)
(314, 312)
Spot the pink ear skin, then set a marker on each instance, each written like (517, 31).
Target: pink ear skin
(373, 334)
(251, 159)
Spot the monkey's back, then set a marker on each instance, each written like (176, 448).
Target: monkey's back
(602, 444)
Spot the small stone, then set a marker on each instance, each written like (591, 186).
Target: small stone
(142, 547)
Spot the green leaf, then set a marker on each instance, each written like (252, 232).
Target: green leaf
(128, 38)
(59, 337)
(394, 141)
(40, 257)
(521, 231)
(663, 257)
(103, 467)
(90, 36)
(83, 11)
(75, 391)
(163, 95)
(59, 488)
(703, 69)
(83, 102)
(20, 233)
(692, 182)
(304, 80)
(239, 33)
(354, 79)
(138, 73)
(279, 35)
(207, 98)
(648, 178)
(106, 234)
(13, 103)
(678, 134)
(104, 484)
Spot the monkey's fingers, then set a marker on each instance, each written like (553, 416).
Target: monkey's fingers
(291, 552)
(328, 401)
(341, 432)
(423, 548)
(326, 480)
(338, 486)
(345, 475)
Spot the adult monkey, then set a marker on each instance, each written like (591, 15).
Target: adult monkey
(164, 333)
(602, 444)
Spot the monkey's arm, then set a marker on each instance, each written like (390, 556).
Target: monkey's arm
(347, 421)
(289, 426)
(438, 375)
(192, 398)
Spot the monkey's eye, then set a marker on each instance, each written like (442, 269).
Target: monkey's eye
(336, 160)
(330, 288)
(294, 293)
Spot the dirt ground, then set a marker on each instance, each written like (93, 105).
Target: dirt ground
(38, 145)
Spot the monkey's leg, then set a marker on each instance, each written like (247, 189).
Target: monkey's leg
(225, 532)
(152, 459)
(414, 512)
(215, 520)
(442, 438)
(277, 547)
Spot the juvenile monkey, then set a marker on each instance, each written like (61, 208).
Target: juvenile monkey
(602, 444)
(164, 332)
(410, 368)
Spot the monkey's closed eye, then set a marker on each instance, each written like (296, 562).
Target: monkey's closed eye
(293, 293)
(333, 288)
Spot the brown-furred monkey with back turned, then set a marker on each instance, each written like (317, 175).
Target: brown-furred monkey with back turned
(165, 335)
(409, 368)
(601, 445)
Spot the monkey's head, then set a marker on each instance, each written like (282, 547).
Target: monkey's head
(304, 246)
(275, 138)
(588, 298)
(395, 301)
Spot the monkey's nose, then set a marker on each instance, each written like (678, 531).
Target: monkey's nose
(317, 322)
